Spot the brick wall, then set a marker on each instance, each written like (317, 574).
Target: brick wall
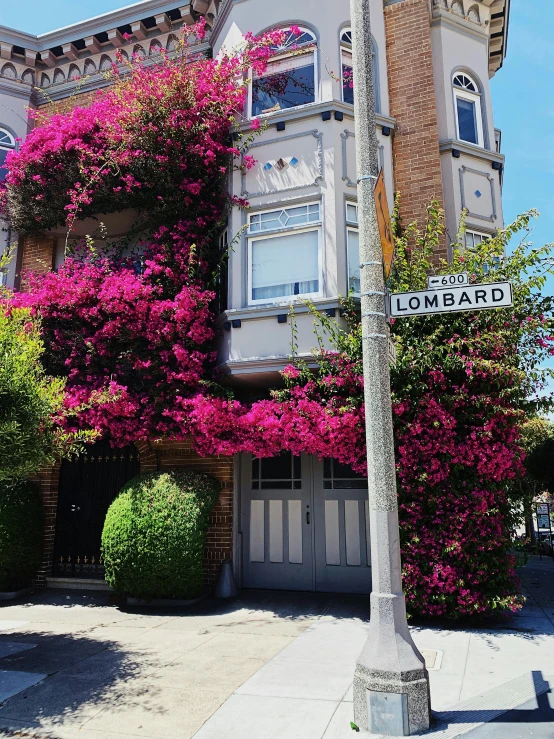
(417, 170)
(219, 539)
(82, 100)
(37, 254)
(161, 455)
(48, 482)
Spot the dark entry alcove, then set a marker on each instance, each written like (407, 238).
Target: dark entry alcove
(88, 485)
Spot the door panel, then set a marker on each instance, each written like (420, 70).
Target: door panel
(276, 525)
(342, 547)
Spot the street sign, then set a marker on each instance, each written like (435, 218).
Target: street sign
(543, 508)
(544, 521)
(383, 219)
(440, 281)
(447, 300)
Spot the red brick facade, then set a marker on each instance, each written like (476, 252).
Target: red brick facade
(38, 254)
(417, 169)
(159, 456)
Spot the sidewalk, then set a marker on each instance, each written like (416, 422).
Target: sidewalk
(476, 676)
(267, 666)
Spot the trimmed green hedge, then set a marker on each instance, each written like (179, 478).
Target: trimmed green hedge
(21, 534)
(153, 537)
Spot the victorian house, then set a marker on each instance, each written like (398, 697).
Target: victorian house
(293, 523)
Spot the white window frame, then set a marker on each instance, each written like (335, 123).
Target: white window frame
(351, 227)
(346, 47)
(484, 236)
(280, 56)
(283, 233)
(12, 145)
(473, 97)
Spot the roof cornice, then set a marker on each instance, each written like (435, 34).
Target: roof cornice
(91, 26)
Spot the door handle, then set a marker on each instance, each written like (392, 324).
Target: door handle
(308, 517)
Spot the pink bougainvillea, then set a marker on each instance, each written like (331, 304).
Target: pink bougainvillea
(134, 334)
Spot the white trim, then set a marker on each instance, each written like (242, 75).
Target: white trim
(12, 145)
(350, 229)
(264, 235)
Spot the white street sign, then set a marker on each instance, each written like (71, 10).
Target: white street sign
(440, 281)
(447, 300)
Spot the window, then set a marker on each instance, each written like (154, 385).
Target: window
(290, 77)
(3, 278)
(222, 279)
(353, 248)
(347, 72)
(337, 476)
(474, 238)
(283, 472)
(284, 253)
(467, 101)
(7, 144)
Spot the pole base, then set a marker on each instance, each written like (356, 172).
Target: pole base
(391, 704)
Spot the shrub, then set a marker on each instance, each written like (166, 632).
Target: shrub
(20, 534)
(153, 537)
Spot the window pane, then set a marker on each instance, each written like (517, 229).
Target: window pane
(353, 261)
(285, 265)
(284, 88)
(277, 468)
(3, 170)
(284, 218)
(347, 84)
(467, 121)
(351, 213)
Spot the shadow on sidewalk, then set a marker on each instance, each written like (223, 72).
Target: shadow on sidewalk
(542, 714)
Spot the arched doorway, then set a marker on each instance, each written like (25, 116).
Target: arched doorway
(88, 485)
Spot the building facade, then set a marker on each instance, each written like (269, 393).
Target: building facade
(295, 523)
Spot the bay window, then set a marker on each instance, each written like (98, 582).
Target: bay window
(284, 255)
(290, 77)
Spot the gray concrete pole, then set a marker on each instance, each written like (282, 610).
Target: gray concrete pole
(391, 683)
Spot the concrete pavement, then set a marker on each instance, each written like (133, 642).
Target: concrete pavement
(269, 666)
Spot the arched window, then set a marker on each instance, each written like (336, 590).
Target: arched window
(7, 144)
(347, 78)
(290, 77)
(467, 102)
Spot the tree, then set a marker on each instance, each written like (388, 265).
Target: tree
(29, 400)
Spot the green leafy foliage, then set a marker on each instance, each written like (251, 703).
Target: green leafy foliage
(21, 532)
(153, 537)
(29, 400)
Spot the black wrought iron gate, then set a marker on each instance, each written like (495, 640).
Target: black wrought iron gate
(88, 484)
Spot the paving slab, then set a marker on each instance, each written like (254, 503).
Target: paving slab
(13, 682)
(206, 672)
(254, 717)
(8, 648)
(147, 711)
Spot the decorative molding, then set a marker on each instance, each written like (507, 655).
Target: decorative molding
(318, 135)
(465, 169)
(473, 151)
(315, 109)
(345, 177)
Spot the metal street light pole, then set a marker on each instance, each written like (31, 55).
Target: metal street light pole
(391, 683)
